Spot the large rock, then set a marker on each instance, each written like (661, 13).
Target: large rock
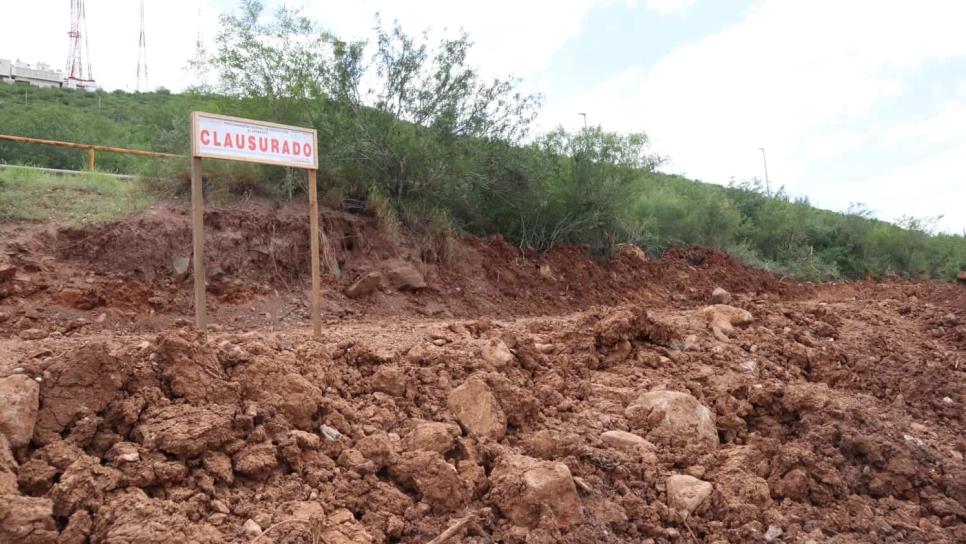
(686, 493)
(18, 411)
(404, 277)
(674, 418)
(431, 436)
(522, 487)
(427, 472)
(722, 319)
(365, 285)
(477, 410)
(27, 520)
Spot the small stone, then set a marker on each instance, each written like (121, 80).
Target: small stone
(772, 533)
(250, 528)
(632, 250)
(124, 452)
(33, 334)
(720, 296)
(439, 342)
(389, 379)
(219, 506)
(364, 285)
(263, 519)
(496, 354)
(180, 266)
(545, 348)
(329, 433)
(686, 493)
(625, 440)
(632, 443)
(431, 436)
(947, 400)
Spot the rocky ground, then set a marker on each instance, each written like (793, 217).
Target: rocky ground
(464, 392)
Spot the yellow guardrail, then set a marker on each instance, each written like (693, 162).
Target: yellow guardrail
(91, 148)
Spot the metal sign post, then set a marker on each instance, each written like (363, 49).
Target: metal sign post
(232, 138)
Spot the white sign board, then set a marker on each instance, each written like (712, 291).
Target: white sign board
(221, 137)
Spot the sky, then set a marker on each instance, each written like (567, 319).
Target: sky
(853, 101)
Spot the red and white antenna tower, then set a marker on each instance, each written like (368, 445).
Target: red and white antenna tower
(142, 83)
(79, 73)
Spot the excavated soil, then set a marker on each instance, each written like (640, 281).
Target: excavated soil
(512, 397)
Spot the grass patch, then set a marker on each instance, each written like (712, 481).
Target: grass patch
(29, 195)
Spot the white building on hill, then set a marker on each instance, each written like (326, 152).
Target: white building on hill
(40, 75)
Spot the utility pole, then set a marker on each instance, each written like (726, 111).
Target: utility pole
(584, 115)
(764, 162)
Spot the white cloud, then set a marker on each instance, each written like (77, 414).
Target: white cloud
(670, 6)
(510, 36)
(932, 186)
(802, 79)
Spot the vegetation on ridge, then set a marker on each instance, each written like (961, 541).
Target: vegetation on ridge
(413, 133)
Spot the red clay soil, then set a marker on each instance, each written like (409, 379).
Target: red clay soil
(507, 396)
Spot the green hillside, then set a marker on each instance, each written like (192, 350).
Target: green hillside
(441, 150)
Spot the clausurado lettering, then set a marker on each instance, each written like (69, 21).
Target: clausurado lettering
(263, 144)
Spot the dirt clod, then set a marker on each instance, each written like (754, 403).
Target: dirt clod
(18, 412)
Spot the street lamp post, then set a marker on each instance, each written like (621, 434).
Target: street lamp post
(584, 115)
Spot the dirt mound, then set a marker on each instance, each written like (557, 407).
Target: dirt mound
(497, 395)
(391, 432)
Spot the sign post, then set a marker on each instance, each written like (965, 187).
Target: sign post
(232, 138)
